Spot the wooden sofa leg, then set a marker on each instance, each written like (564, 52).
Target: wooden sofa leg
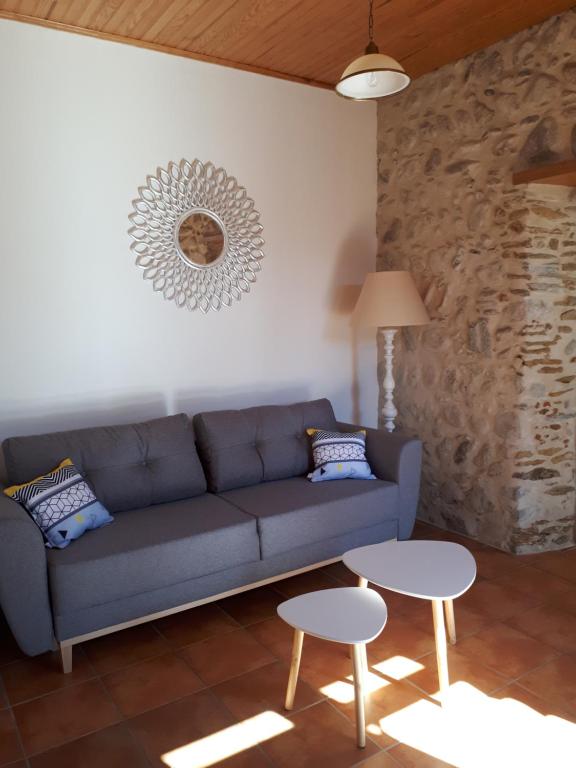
(66, 655)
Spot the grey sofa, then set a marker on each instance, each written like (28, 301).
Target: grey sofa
(201, 510)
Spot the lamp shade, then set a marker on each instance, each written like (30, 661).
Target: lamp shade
(389, 300)
(372, 76)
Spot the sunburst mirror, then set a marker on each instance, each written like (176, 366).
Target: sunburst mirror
(197, 235)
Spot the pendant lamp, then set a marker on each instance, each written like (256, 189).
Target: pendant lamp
(373, 75)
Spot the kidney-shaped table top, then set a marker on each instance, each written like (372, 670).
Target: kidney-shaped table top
(344, 615)
(433, 570)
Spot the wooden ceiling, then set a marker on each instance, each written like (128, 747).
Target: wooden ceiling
(309, 41)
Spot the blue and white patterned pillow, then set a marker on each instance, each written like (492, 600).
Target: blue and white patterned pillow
(338, 455)
(61, 504)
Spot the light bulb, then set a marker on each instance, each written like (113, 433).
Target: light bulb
(372, 80)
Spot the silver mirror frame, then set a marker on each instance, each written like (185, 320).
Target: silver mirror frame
(162, 204)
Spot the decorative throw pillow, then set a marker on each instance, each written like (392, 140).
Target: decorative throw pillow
(61, 504)
(338, 455)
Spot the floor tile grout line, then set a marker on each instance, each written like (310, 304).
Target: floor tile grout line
(187, 661)
(121, 723)
(96, 676)
(67, 741)
(100, 675)
(352, 722)
(139, 746)
(76, 738)
(246, 672)
(569, 708)
(125, 719)
(222, 703)
(164, 652)
(517, 680)
(532, 637)
(177, 647)
(18, 734)
(364, 760)
(112, 699)
(54, 690)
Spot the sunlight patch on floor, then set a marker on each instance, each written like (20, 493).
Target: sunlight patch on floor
(398, 667)
(474, 730)
(230, 741)
(395, 668)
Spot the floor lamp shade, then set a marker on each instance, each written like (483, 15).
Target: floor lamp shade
(389, 300)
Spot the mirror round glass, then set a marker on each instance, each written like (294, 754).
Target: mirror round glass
(201, 239)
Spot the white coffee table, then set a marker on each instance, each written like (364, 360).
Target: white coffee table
(344, 615)
(439, 571)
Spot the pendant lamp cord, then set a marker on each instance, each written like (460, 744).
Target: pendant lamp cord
(370, 21)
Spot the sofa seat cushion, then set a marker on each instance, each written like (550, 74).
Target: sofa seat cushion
(150, 548)
(295, 512)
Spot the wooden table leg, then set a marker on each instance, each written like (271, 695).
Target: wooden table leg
(366, 673)
(294, 667)
(359, 654)
(441, 649)
(363, 583)
(66, 657)
(450, 622)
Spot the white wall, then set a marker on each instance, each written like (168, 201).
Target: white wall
(85, 340)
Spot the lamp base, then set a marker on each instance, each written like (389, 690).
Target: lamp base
(389, 410)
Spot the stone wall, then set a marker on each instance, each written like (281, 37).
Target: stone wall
(490, 384)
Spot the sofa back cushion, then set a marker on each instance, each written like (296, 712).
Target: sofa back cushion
(254, 445)
(128, 466)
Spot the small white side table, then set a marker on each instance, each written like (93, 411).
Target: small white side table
(344, 615)
(439, 571)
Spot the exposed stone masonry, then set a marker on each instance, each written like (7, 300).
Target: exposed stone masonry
(490, 385)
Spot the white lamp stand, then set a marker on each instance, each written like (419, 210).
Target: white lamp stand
(389, 300)
(389, 410)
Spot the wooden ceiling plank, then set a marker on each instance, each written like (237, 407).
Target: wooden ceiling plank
(479, 34)
(148, 45)
(42, 8)
(164, 18)
(310, 41)
(278, 38)
(67, 11)
(239, 27)
(130, 14)
(15, 6)
(174, 30)
(89, 9)
(276, 30)
(102, 13)
(197, 23)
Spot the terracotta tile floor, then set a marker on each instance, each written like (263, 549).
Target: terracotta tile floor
(206, 687)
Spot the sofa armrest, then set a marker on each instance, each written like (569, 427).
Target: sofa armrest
(398, 459)
(24, 596)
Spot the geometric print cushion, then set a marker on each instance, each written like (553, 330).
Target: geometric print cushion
(338, 455)
(61, 504)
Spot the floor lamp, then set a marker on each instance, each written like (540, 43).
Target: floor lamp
(389, 300)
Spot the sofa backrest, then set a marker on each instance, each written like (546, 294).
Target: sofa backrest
(128, 466)
(254, 445)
